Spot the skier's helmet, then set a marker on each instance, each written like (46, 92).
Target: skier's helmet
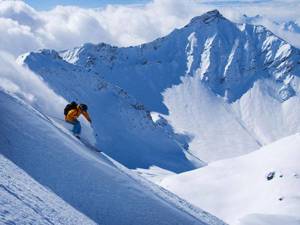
(83, 107)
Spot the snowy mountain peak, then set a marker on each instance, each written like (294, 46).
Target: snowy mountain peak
(207, 17)
(227, 57)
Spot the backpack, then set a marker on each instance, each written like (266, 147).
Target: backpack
(72, 105)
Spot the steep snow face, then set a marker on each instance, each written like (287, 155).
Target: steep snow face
(258, 118)
(215, 58)
(214, 130)
(122, 126)
(24, 201)
(258, 188)
(265, 115)
(88, 181)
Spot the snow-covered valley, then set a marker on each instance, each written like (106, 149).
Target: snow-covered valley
(198, 119)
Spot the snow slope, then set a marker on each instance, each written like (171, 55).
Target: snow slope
(237, 190)
(123, 127)
(88, 181)
(197, 77)
(24, 201)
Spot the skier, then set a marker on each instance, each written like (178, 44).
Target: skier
(72, 112)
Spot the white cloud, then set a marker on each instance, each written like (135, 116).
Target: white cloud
(25, 29)
(16, 38)
(24, 84)
(67, 27)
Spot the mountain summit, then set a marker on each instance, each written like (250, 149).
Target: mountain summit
(229, 58)
(207, 17)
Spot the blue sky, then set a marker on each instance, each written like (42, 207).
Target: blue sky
(49, 4)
